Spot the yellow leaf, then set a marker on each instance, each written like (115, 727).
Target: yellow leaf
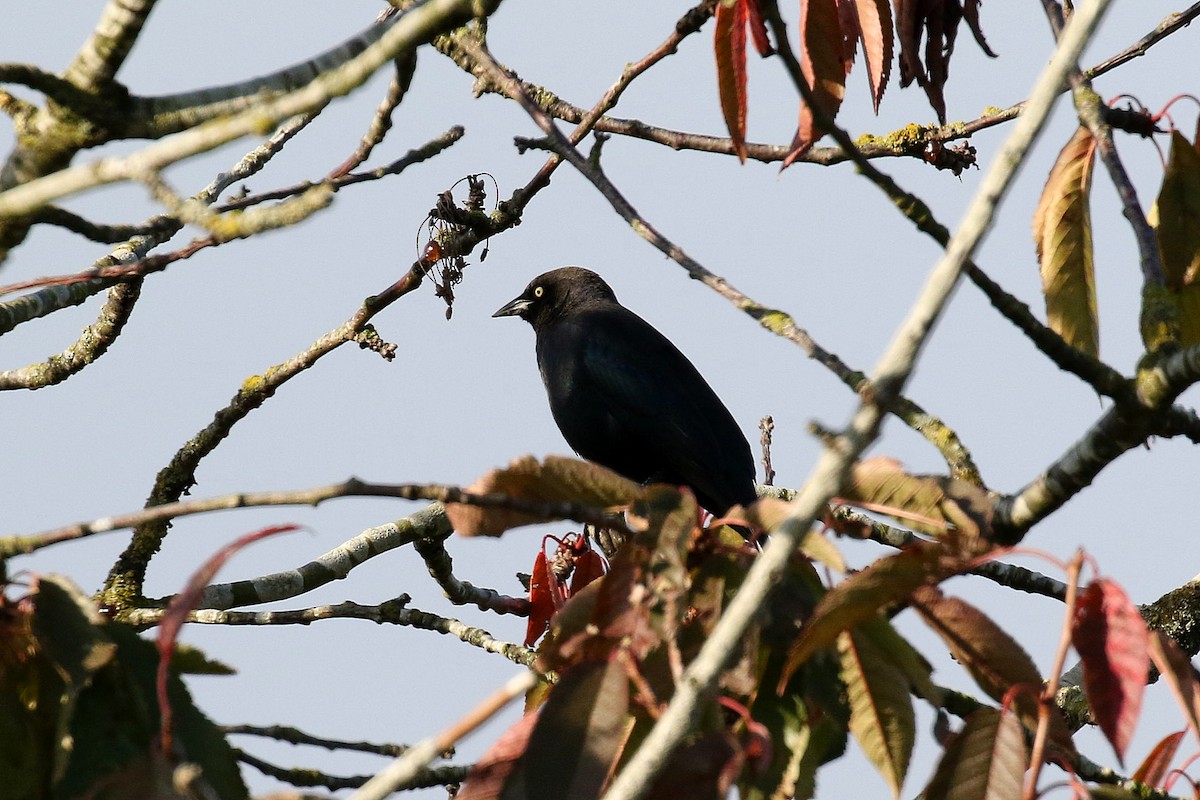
(1062, 231)
(881, 713)
(1178, 215)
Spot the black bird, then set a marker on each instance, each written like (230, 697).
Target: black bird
(625, 397)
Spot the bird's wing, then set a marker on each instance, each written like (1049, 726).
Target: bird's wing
(663, 404)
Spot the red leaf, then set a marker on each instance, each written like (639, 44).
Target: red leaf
(589, 566)
(1111, 639)
(823, 68)
(848, 22)
(541, 600)
(181, 605)
(730, 46)
(1152, 770)
(1179, 674)
(875, 29)
(758, 29)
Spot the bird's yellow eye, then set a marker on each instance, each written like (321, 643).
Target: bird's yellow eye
(538, 291)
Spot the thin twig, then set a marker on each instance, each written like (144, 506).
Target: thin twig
(306, 776)
(287, 733)
(381, 123)
(403, 34)
(353, 487)
(402, 770)
(441, 568)
(1046, 700)
(392, 612)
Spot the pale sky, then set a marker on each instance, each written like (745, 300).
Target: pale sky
(464, 396)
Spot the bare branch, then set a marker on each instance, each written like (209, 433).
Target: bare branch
(403, 34)
(104, 52)
(393, 612)
(92, 343)
(382, 121)
(292, 735)
(1169, 25)
(423, 779)
(1120, 429)
(441, 567)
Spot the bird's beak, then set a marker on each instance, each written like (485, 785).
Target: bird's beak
(514, 308)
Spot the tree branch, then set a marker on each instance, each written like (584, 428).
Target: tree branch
(894, 368)
(778, 322)
(105, 51)
(403, 34)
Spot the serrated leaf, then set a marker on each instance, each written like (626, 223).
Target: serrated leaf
(1062, 231)
(911, 664)
(1179, 673)
(995, 660)
(578, 735)
(69, 631)
(986, 760)
(557, 479)
(875, 30)
(881, 713)
(933, 504)
(861, 597)
(1154, 768)
(848, 22)
(1178, 214)
(729, 42)
(1112, 641)
(823, 67)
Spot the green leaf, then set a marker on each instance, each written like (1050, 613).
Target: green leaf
(881, 713)
(933, 504)
(769, 512)
(1062, 231)
(861, 597)
(912, 665)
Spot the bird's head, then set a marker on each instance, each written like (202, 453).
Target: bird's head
(554, 294)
